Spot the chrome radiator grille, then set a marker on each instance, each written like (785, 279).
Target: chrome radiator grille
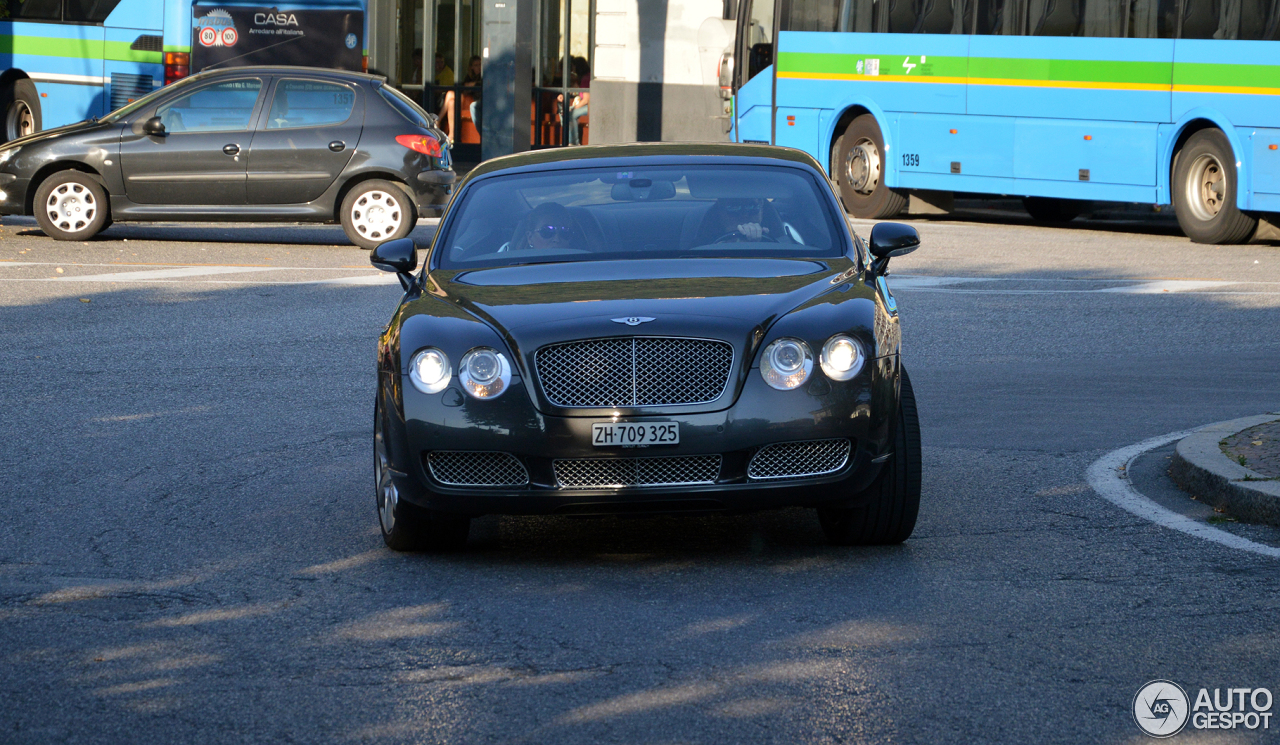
(602, 473)
(458, 468)
(793, 460)
(634, 371)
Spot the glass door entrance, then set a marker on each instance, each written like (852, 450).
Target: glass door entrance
(440, 62)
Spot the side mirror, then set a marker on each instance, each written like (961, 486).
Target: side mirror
(399, 256)
(154, 127)
(889, 239)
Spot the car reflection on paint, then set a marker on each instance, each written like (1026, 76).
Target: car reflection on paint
(641, 329)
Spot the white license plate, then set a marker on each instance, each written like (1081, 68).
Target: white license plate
(627, 434)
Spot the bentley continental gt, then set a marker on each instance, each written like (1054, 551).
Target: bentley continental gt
(645, 329)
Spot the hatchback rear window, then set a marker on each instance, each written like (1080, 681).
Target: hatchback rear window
(403, 104)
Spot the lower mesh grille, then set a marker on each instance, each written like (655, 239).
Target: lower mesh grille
(457, 468)
(616, 472)
(793, 460)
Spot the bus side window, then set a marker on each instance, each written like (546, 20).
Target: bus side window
(1210, 19)
(1001, 17)
(36, 10)
(759, 37)
(1058, 17)
(925, 16)
(1259, 20)
(857, 16)
(1154, 19)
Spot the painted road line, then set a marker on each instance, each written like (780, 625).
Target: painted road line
(1168, 285)
(1109, 477)
(381, 278)
(186, 271)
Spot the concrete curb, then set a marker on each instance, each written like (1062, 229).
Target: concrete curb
(1200, 467)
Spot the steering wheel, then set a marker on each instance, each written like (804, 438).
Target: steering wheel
(764, 237)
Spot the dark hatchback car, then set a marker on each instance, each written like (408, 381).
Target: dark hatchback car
(645, 328)
(278, 144)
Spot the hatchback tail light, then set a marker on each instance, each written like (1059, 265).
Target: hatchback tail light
(425, 144)
(177, 65)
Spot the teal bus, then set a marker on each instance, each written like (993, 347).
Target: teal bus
(1060, 102)
(64, 61)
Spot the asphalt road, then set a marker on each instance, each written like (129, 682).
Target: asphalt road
(189, 550)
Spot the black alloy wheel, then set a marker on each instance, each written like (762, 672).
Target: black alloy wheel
(892, 502)
(858, 168)
(1204, 191)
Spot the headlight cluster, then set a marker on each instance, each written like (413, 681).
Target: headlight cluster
(788, 362)
(483, 372)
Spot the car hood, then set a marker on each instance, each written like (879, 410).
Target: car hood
(50, 134)
(537, 300)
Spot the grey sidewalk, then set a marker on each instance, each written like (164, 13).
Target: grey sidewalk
(1234, 466)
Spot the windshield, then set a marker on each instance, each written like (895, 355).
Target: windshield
(129, 108)
(653, 212)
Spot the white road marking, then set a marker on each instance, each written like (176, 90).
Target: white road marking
(185, 271)
(929, 283)
(1168, 285)
(1109, 477)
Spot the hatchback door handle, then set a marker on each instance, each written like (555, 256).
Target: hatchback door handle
(231, 149)
(337, 146)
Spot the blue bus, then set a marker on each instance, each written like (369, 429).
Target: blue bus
(1060, 102)
(63, 61)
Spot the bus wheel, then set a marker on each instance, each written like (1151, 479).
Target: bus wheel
(1204, 191)
(858, 168)
(1045, 209)
(19, 110)
(71, 206)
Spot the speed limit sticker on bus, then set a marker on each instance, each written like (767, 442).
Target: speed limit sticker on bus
(208, 36)
(229, 37)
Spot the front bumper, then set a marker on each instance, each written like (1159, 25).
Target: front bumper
(761, 416)
(13, 194)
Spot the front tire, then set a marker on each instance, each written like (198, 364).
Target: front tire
(377, 211)
(1204, 191)
(858, 168)
(892, 502)
(406, 526)
(19, 110)
(72, 206)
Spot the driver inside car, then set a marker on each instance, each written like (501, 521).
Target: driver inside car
(737, 220)
(548, 226)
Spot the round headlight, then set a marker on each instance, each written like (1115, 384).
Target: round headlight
(484, 372)
(429, 370)
(842, 357)
(786, 363)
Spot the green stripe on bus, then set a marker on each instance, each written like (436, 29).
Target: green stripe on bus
(847, 64)
(1090, 71)
(86, 49)
(43, 46)
(1082, 71)
(1220, 75)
